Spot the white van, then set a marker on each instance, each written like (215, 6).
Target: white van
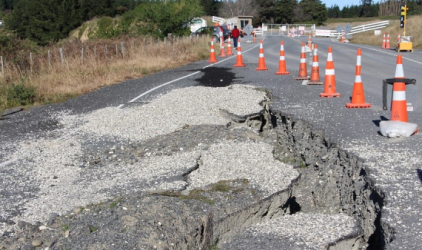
(197, 23)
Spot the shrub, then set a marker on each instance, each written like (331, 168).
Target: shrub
(20, 94)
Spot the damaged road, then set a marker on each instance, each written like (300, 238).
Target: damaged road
(229, 173)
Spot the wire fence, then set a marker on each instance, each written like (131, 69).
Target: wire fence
(80, 54)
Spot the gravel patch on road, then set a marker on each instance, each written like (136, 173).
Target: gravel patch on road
(86, 160)
(170, 112)
(231, 160)
(52, 168)
(297, 231)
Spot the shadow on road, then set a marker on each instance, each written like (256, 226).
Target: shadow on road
(419, 172)
(216, 77)
(377, 122)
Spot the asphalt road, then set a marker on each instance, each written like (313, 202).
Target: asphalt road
(342, 125)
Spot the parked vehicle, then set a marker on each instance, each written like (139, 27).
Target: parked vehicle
(213, 31)
(197, 23)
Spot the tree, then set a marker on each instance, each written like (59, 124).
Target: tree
(96, 8)
(333, 12)
(160, 18)
(283, 11)
(266, 10)
(311, 11)
(34, 20)
(211, 7)
(232, 8)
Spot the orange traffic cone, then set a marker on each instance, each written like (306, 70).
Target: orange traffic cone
(222, 52)
(330, 77)
(315, 69)
(254, 38)
(358, 95)
(398, 104)
(229, 48)
(310, 42)
(383, 41)
(387, 43)
(398, 125)
(213, 59)
(239, 59)
(303, 75)
(398, 41)
(282, 63)
(261, 61)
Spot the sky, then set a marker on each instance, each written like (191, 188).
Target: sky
(340, 3)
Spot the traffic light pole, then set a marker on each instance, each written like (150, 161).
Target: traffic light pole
(403, 8)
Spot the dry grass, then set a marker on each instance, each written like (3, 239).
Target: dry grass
(413, 29)
(103, 64)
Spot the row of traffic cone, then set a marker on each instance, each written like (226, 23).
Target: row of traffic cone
(386, 42)
(398, 106)
(213, 58)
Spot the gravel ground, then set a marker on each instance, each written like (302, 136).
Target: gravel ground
(86, 161)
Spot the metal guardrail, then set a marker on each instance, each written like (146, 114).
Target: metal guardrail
(372, 26)
(356, 29)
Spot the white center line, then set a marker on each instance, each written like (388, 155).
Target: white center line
(180, 78)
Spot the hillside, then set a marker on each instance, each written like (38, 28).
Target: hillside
(413, 29)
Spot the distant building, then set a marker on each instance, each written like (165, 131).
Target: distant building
(240, 21)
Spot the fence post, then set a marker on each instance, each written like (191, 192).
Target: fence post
(117, 51)
(30, 61)
(106, 51)
(49, 58)
(95, 51)
(122, 45)
(2, 66)
(61, 55)
(82, 55)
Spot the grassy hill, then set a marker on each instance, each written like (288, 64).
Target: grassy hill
(413, 29)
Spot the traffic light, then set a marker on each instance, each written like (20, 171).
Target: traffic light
(402, 15)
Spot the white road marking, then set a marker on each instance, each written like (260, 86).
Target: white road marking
(180, 78)
(386, 52)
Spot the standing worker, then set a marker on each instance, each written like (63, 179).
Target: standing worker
(235, 36)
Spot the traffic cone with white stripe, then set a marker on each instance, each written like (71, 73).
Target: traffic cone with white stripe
(229, 48)
(261, 61)
(398, 104)
(310, 42)
(315, 79)
(398, 125)
(213, 58)
(222, 52)
(383, 41)
(330, 77)
(358, 95)
(303, 72)
(239, 59)
(398, 41)
(387, 43)
(282, 63)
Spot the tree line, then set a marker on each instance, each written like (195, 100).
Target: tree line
(49, 21)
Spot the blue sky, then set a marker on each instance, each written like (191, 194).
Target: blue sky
(340, 3)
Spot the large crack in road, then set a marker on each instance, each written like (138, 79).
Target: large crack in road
(330, 203)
